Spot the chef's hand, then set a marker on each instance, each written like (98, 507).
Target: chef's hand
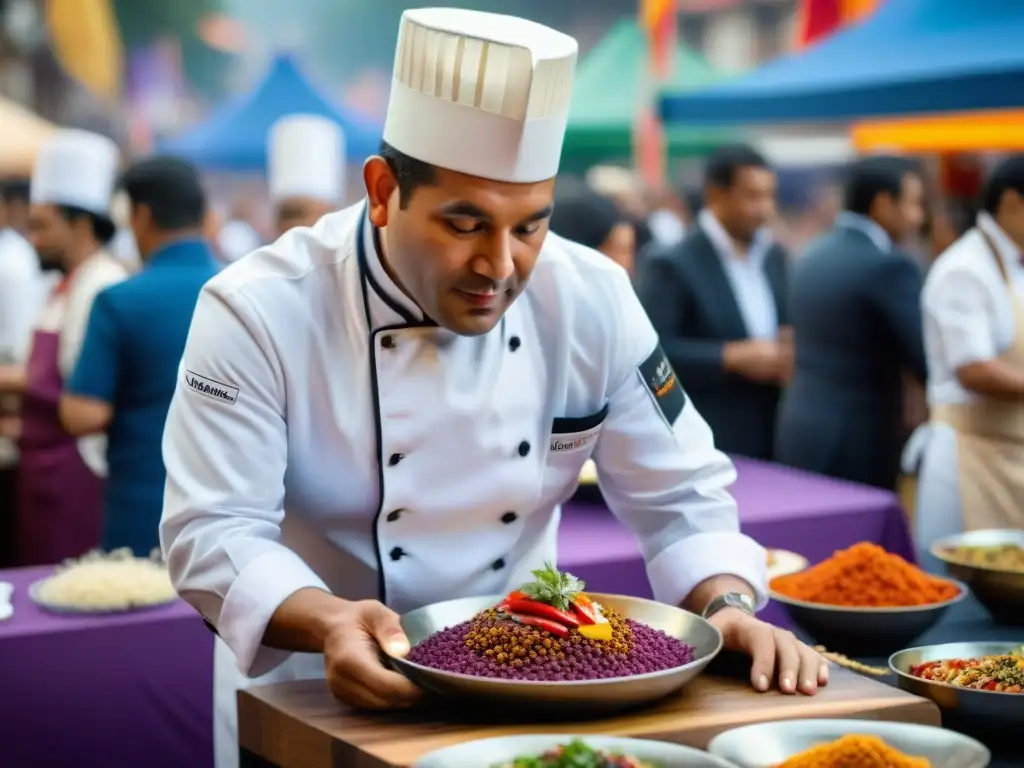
(776, 653)
(352, 649)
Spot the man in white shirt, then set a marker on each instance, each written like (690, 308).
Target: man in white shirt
(387, 409)
(60, 480)
(305, 170)
(972, 474)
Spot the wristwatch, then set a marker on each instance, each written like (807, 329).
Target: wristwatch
(729, 600)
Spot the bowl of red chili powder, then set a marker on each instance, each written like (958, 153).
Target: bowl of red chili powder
(865, 601)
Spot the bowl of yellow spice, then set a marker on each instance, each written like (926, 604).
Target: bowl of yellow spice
(864, 743)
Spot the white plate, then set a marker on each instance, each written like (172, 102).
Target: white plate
(782, 562)
(504, 749)
(33, 593)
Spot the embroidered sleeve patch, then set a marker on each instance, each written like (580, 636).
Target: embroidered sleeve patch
(211, 388)
(659, 377)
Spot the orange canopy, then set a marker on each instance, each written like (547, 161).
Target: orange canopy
(997, 131)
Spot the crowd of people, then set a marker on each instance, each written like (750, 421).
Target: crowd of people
(433, 359)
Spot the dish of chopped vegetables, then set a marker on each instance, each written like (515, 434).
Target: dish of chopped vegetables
(577, 754)
(1000, 674)
(999, 557)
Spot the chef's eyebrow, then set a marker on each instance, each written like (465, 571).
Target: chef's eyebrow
(464, 208)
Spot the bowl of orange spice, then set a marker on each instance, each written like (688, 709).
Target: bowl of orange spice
(862, 743)
(864, 601)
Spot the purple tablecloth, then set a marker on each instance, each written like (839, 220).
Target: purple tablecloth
(122, 690)
(779, 507)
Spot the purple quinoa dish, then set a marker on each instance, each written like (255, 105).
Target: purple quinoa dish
(550, 631)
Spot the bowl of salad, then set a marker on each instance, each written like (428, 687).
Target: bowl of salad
(568, 751)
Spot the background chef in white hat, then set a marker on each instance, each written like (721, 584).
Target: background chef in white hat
(306, 169)
(396, 401)
(60, 478)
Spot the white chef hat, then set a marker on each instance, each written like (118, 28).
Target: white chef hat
(78, 169)
(480, 93)
(306, 158)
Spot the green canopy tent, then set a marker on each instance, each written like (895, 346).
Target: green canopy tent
(604, 106)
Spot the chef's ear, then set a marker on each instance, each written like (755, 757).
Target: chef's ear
(381, 186)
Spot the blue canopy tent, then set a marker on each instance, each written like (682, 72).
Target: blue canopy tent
(235, 137)
(910, 57)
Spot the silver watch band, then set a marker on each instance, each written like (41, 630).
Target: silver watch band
(729, 600)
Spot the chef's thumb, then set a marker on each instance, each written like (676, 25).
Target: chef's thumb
(384, 625)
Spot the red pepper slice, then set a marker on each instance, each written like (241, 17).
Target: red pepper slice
(546, 624)
(585, 610)
(515, 595)
(536, 608)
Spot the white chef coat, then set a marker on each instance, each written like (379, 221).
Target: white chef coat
(417, 465)
(23, 291)
(67, 313)
(967, 318)
(750, 285)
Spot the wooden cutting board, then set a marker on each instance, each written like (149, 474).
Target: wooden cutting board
(299, 725)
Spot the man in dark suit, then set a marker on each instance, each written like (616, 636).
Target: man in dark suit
(717, 301)
(855, 308)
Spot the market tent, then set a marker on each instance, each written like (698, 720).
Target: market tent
(22, 135)
(235, 137)
(996, 131)
(605, 103)
(910, 57)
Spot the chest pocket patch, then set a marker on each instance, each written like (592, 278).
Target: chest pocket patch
(572, 442)
(571, 435)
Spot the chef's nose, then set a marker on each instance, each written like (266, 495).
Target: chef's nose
(496, 261)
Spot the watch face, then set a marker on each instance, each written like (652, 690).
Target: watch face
(739, 601)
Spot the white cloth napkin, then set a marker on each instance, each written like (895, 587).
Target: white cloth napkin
(6, 593)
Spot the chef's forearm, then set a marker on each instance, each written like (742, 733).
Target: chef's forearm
(993, 378)
(303, 621)
(12, 379)
(709, 589)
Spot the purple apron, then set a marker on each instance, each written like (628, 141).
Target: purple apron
(60, 500)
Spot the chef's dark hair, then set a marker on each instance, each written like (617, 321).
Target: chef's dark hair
(726, 162)
(15, 190)
(103, 228)
(870, 177)
(170, 188)
(409, 172)
(1008, 175)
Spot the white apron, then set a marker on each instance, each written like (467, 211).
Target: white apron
(972, 473)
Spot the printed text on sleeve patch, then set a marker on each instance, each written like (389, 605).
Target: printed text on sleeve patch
(211, 388)
(659, 377)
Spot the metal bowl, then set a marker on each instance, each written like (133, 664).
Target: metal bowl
(990, 710)
(561, 699)
(769, 744)
(866, 631)
(1001, 592)
(504, 749)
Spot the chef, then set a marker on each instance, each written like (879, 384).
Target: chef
(22, 292)
(60, 480)
(306, 169)
(387, 410)
(972, 473)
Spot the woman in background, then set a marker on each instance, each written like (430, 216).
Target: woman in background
(590, 219)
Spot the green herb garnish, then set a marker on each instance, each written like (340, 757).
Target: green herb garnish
(553, 587)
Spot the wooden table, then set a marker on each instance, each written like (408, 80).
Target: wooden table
(299, 725)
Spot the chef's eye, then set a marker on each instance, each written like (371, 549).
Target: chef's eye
(529, 229)
(464, 225)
